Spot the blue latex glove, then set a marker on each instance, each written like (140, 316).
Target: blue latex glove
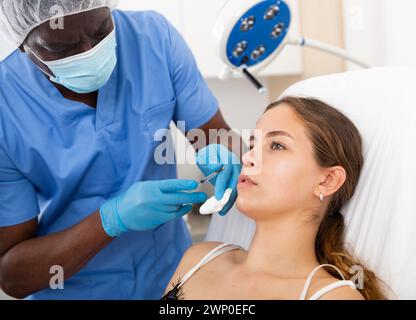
(211, 159)
(149, 204)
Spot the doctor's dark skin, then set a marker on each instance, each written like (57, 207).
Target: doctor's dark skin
(25, 258)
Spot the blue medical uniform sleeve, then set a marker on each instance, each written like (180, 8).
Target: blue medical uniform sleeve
(196, 104)
(18, 201)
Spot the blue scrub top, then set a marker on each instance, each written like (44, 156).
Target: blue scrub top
(60, 160)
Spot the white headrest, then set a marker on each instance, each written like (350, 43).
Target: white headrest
(381, 217)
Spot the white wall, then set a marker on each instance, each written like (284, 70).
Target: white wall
(381, 31)
(6, 47)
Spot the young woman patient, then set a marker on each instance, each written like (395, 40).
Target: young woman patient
(293, 183)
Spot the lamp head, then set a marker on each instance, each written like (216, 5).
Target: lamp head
(251, 33)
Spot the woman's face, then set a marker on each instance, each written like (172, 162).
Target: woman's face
(280, 174)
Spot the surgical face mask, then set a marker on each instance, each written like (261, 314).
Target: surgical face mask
(88, 71)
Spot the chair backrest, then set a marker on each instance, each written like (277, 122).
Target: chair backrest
(381, 217)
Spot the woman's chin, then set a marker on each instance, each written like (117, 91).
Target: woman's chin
(246, 205)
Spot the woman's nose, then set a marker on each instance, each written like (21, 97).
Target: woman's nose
(248, 159)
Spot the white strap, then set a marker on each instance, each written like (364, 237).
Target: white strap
(312, 274)
(225, 247)
(332, 286)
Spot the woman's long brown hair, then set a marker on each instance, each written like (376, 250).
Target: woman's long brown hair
(336, 142)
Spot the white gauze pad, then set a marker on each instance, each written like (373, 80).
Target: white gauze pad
(213, 205)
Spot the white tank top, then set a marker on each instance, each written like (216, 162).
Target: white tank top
(223, 248)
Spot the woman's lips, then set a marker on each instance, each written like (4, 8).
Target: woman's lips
(244, 180)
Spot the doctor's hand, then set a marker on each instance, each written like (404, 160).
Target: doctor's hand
(149, 204)
(211, 159)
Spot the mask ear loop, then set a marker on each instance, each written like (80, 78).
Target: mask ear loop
(27, 48)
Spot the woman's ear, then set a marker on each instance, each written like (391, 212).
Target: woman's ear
(333, 180)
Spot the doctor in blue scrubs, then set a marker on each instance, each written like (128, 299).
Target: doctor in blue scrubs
(80, 102)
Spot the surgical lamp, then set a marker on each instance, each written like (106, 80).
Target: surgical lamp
(250, 34)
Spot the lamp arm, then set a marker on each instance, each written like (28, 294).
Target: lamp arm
(314, 44)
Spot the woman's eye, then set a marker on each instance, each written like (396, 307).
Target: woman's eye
(277, 146)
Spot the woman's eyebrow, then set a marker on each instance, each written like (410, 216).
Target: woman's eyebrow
(273, 134)
(278, 133)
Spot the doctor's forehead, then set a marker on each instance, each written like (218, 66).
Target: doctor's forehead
(54, 31)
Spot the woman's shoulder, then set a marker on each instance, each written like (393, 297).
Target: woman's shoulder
(192, 256)
(338, 293)
(197, 251)
(343, 293)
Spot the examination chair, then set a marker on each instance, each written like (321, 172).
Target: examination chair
(381, 217)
